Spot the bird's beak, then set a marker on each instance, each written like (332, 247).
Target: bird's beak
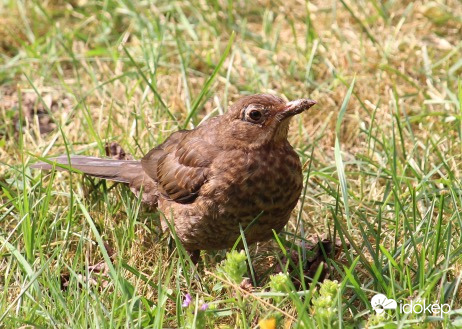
(296, 107)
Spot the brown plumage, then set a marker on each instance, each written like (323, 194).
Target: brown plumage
(228, 171)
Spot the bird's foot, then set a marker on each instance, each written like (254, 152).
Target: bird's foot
(194, 255)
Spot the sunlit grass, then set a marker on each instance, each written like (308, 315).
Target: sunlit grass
(381, 152)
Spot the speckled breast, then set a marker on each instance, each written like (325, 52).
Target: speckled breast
(264, 184)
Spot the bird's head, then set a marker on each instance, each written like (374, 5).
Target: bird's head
(256, 120)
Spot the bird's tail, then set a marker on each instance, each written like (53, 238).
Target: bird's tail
(125, 171)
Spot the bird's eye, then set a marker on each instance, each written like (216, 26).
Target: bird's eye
(254, 115)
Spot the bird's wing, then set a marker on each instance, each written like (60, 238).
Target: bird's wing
(180, 166)
(150, 160)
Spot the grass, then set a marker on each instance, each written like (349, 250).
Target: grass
(382, 159)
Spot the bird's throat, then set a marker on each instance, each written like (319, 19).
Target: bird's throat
(281, 131)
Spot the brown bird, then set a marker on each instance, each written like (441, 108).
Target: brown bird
(236, 168)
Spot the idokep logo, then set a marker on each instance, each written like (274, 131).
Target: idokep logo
(421, 307)
(380, 303)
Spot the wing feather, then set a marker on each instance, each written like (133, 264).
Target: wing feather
(180, 166)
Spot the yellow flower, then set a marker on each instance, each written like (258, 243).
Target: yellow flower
(269, 323)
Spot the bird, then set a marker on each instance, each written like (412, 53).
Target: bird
(234, 172)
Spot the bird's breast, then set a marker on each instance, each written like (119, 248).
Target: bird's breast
(260, 187)
(267, 180)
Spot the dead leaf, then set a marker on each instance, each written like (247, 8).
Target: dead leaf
(115, 151)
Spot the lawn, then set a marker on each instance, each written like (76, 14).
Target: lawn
(381, 209)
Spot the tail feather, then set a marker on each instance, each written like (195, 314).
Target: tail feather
(124, 171)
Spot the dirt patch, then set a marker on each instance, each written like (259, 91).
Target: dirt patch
(25, 109)
(318, 250)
